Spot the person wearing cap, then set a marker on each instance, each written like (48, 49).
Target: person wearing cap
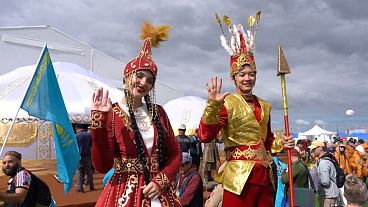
(300, 171)
(328, 191)
(302, 152)
(189, 186)
(359, 163)
(342, 158)
(135, 136)
(184, 140)
(20, 192)
(245, 124)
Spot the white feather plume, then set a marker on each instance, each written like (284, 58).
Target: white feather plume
(250, 41)
(225, 45)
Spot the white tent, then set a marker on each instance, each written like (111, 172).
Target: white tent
(21, 46)
(317, 133)
(186, 110)
(76, 84)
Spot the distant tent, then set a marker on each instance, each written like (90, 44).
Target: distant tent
(317, 133)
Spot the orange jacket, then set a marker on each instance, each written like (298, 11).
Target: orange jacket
(344, 162)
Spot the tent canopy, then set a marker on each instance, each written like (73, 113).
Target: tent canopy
(76, 84)
(316, 130)
(186, 110)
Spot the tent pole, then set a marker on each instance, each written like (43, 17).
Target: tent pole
(7, 135)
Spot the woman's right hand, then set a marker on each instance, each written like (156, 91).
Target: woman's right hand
(101, 101)
(214, 90)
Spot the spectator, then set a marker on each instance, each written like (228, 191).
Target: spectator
(184, 140)
(188, 182)
(84, 140)
(196, 149)
(215, 198)
(302, 153)
(342, 158)
(300, 171)
(355, 191)
(327, 189)
(20, 192)
(278, 165)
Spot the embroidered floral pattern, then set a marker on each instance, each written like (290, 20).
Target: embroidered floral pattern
(162, 180)
(96, 119)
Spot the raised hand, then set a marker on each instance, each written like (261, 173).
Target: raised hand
(288, 142)
(101, 100)
(214, 90)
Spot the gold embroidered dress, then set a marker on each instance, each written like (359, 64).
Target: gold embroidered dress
(247, 138)
(113, 146)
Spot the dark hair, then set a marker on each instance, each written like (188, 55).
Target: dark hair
(14, 154)
(299, 142)
(361, 141)
(160, 131)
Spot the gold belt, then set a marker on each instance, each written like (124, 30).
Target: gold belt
(133, 165)
(255, 152)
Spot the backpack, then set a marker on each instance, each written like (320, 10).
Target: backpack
(40, 190)
(340, 174)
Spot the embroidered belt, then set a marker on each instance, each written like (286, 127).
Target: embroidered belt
(133, 165)
(255, 152)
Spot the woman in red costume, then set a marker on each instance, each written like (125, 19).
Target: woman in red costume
(135, 137)
(244, 120)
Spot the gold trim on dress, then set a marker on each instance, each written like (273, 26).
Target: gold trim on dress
(96, 119)
(133, 165)
(130, 185)
(162, 180)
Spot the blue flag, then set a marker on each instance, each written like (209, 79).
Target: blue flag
(44, 100)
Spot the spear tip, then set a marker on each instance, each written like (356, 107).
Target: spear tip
(282, 65)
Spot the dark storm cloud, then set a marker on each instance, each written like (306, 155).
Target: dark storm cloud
(323, 40)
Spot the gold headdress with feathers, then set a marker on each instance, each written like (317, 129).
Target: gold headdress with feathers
(241, 44)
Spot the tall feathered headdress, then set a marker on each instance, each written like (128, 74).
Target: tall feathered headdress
(152, 36)
(241, 44)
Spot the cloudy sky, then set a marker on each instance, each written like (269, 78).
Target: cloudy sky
(325, 42)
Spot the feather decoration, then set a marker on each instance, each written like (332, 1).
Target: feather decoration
(241, 31)
(250, 41)
(225, 45)
(156, 33)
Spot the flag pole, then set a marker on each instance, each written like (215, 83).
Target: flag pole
(16, 114)
(282, 69)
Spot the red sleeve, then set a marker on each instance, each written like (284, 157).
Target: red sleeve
(208, 132)
(190, 190)
(173, 153)
(270, 136)
(102, 141)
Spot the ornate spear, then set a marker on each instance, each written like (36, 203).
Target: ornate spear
(282, 69)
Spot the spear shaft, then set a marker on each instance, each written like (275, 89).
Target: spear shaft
(283, 68)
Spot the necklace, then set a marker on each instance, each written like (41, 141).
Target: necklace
(252, 105)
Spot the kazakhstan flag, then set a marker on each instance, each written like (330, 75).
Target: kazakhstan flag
(44, 100)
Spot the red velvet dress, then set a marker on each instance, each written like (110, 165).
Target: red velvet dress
(113, 146)
(258, 188)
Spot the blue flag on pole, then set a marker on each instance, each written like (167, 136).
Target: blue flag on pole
(44, 100)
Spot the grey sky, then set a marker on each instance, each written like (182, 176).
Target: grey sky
(325, 42)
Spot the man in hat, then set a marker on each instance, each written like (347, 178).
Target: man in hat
(328, 191)
(245, 124)
(188, 183)
(183, 139)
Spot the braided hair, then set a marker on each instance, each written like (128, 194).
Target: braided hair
(160, 131)
(138, 141)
